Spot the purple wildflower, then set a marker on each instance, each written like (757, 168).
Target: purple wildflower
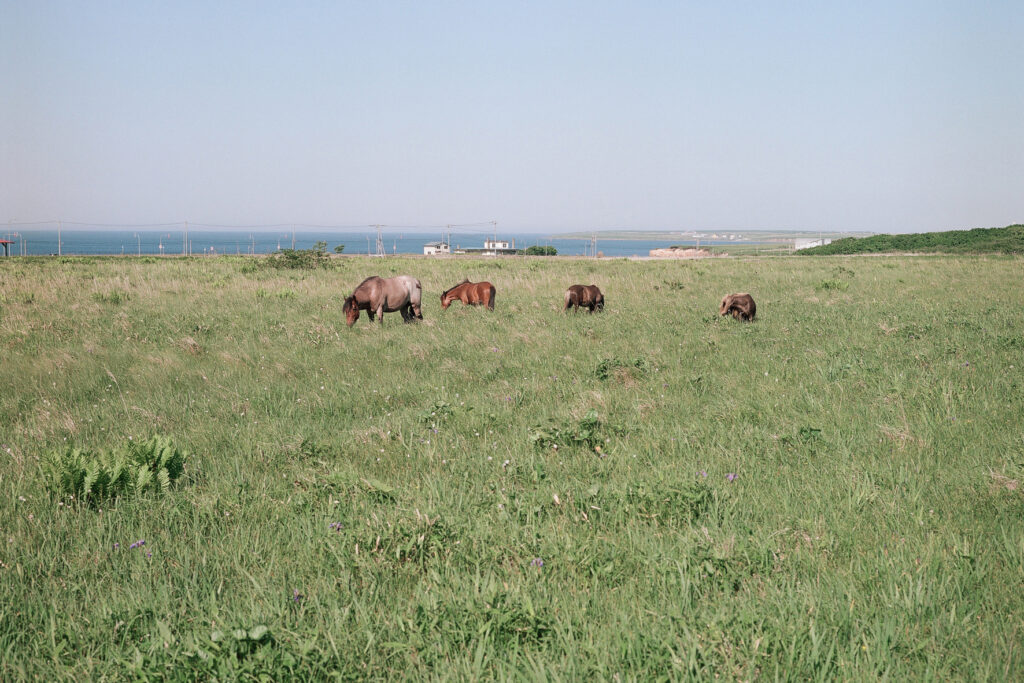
(336, 526)
(704, 474)
(537, 562)
(149, 554)
(296, 595)
(117, 546)
(731, 476)
(137, 544)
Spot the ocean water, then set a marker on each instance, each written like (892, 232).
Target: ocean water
(213, 242)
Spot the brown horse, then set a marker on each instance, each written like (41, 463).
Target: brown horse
(589, 297)
(469, 293)
(378, 296)
(741, 306)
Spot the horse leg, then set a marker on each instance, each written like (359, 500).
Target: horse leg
(373, 316)
(380, 312)
(406, 311)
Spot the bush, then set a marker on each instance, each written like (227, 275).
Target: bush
(299, 259)
(540, 251)
(153, 465)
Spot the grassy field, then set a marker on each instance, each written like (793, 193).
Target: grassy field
(831, 492)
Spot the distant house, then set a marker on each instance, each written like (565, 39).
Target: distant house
(434, 248)
(799, 244)
(496, 247)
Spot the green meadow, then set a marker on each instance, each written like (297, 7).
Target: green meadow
(656, 492)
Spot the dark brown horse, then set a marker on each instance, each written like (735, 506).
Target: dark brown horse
(378, 296)
(741, 306)
(469, 293)
(589, 297)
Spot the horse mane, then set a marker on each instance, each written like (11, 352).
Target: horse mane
(445, 292)
(372, 277)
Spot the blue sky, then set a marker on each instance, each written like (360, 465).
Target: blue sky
(882, 116)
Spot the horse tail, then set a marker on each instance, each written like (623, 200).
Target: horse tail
(490, 301)
(568, 299)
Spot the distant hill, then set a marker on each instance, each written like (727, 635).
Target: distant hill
(1008, 240)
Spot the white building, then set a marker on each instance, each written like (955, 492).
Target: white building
(495, 247)
(799, 244)
(434, 248)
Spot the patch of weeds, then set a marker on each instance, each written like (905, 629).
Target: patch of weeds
(832, 285)
(618, 367)
(153, 465)
(286, 294)
(654, 502)
(1015, 341)
(113, 298)
(407, 541)
(915, 331)
(809, 433)
(587, 433)
(312, 450)
(840, 271)
(249, 267)
(352, 485)
(675, 284)
(700, 385)
(262, 293)
(239, 644)
(437, 413)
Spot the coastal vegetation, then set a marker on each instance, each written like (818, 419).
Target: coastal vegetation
(1008, 240)
(833, 491)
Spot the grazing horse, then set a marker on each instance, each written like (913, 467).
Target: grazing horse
(469, 293)
(741, 306)
(589, 297)
(378, 296)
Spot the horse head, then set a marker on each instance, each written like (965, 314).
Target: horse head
(351, 310)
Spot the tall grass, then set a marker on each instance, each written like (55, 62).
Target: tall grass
(833, 491)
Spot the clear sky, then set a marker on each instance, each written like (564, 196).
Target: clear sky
(886, 116)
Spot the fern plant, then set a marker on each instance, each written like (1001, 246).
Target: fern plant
(153, 465)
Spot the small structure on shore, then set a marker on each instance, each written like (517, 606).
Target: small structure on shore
(496, 247)
(435, 248)
(799, 244)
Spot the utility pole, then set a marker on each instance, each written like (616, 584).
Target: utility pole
(60, 226)
(184, 242)
(380, 241)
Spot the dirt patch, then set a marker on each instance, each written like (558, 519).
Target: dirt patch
(683, 252)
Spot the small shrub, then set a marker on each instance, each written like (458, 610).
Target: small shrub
(153, 465)
(830, 285)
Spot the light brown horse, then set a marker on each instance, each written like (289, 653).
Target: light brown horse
(378, 296)
(469, 293)
(585, 296)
